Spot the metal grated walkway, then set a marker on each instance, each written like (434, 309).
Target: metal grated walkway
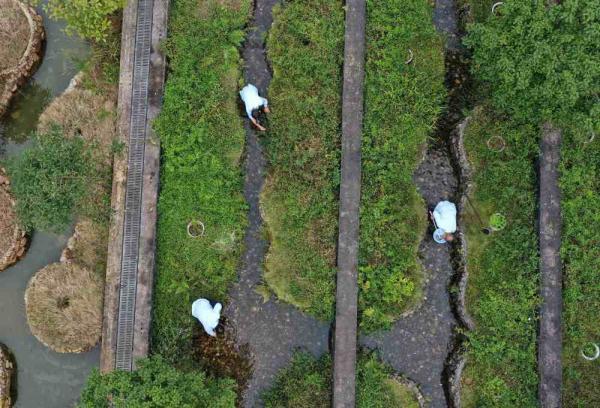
(133, 197)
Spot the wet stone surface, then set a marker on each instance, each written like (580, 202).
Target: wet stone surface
(418, 344)
(271, 331)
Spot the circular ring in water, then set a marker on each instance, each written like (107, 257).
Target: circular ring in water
(499, 3)
(594, 356)
(195, 229)
(411, 56)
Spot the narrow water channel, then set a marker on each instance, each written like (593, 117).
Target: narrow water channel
(272, 331)
(44, 379)
(420, 344)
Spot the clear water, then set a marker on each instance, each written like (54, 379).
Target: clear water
(44, 379)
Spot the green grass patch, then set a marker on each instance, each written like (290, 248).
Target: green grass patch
(305, 47)
(402, 102)
(202, 139)
(580, 184)
(155, 384)
(502, 294)
(306, 383)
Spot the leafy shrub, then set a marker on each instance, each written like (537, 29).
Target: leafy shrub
(305, 46)
(202, 139)
(155, 384)
(502, 294)
(402, 103)
(88, 18)
(541, 62)
(49, 179)
(307, 383)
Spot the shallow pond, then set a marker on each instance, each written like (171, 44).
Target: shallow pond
(44, 378)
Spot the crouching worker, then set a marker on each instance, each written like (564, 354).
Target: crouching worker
(207, 315)
(444, 219)
(253, 101)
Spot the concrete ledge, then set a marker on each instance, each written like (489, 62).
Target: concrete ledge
(344, 353)
(550, 337)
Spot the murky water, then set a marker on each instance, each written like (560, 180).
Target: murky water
(44, 379)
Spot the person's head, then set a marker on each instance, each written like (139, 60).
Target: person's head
(448, 237)
(267, 110)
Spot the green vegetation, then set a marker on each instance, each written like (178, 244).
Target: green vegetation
(155, 384)
(202, 140)
(503, 267)
(305, 47)
(402, 102)
(49, 179)
(542, 63)
(89, 19)
(307, 383)
(580, 183)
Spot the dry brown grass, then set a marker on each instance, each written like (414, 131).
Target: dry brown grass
(63, 302)
(81, 112)
(8, 220)
(87, 246)
(13, 241)
(14, 33)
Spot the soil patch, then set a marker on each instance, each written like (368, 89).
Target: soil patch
(221, 356)
(13, 241)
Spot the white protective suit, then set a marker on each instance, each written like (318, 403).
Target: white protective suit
(207, 315)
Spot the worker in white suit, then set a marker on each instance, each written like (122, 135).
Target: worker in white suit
(207, 315)
(444, 218)
(253, 101)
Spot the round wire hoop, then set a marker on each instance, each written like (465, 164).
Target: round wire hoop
(411, 57)
(496, 5)
(594, 356)
(496, 144)
(195, 229)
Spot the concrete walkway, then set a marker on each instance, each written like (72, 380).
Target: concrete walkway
(550, 337)
(131, 250)
(344, 351)
(272, 330)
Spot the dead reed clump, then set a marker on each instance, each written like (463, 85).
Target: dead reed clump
(63, 303)
(14, 34)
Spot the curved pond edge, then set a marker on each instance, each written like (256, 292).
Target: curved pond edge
(18, 75)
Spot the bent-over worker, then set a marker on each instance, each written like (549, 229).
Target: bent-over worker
(444, 218)
(207, 315)
(253, 101)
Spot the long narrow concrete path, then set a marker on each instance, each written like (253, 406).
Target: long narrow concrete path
(130, 265)
(550, 337)
(344, 352)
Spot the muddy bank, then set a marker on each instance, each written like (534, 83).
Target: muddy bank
(6, 376)
(13, 240)
(16, 71)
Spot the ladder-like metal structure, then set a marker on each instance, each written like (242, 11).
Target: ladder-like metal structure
(133, 196)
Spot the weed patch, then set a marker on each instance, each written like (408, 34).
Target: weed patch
(307, 383)
(402, 102)
(580, 252)
(202, 139)
(305, 47)
(502, 294)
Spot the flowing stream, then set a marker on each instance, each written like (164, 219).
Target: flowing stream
(44, 378)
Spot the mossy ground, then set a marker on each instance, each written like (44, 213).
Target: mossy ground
(502, 294)
(300, 203)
